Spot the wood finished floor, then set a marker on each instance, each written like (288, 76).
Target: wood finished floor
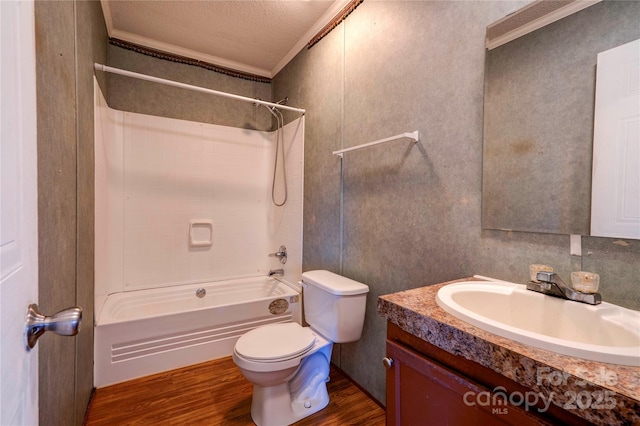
(215, 393)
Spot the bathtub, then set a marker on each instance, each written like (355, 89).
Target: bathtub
(144, 332)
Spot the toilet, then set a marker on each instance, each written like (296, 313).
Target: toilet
(289, 364)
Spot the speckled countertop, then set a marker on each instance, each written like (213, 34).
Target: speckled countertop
(569, 382)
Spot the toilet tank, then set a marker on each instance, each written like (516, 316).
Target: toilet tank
(334, 305)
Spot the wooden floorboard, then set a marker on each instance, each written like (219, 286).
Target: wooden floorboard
(215, 393)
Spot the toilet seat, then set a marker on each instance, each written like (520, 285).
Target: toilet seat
(275, 342)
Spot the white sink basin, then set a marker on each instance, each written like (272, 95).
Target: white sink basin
(604, 332)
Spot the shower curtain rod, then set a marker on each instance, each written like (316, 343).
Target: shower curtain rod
(113, 70)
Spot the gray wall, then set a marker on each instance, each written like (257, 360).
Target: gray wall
(412, 212)
(129, 94)
(70, 36)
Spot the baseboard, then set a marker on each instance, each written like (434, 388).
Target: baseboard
(356, 384)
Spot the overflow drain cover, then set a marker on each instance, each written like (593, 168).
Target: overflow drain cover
(278, 306)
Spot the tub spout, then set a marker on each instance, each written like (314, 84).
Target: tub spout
(278, 272)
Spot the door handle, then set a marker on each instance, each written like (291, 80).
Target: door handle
(64, 323)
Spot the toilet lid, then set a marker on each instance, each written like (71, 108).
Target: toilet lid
(275, 342)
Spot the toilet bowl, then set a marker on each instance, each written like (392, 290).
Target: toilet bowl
(289, 366)
(287, 363)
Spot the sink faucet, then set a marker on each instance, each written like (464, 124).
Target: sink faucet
(550, 283)
(278, 272)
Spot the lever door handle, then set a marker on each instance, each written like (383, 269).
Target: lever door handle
(64, 323)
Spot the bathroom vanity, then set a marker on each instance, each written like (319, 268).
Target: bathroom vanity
(442, 370)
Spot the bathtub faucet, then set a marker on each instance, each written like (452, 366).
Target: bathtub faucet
(280, 254)
(278, 272)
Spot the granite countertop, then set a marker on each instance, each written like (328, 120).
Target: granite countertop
(567, 381)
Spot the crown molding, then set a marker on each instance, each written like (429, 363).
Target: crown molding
(325, 19)
(534, 24)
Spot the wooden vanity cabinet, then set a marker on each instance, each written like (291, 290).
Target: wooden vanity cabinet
(428, 386)
(422, 392)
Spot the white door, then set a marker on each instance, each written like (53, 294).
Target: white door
(18, 210)
(615, 198)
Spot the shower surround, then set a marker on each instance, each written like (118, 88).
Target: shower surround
(180, 203)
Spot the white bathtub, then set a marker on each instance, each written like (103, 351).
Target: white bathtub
(149, 331)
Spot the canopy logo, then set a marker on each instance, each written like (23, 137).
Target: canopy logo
(499, 400)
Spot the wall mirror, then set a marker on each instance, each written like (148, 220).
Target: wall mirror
(539, 112)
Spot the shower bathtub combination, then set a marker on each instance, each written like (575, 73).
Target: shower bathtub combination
(187, 214)
(149, 331)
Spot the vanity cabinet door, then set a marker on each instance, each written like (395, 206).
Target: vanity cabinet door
(422, 392)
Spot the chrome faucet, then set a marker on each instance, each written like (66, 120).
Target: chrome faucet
(278, 272)
(551, 284)
(280, 254)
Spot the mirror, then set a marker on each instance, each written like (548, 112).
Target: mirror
(538, 119)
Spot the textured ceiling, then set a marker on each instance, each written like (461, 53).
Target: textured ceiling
(254, 36)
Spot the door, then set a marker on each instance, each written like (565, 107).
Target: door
(18, 216)
(615, 200)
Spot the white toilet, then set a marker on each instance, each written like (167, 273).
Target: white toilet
(289, 364)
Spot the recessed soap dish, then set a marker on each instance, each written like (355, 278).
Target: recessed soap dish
(200, 233)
